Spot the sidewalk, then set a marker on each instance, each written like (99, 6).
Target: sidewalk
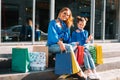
(110, 74)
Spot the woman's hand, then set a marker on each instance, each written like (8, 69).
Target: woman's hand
(62, 46)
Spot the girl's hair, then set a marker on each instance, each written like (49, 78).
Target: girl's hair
(69, 21)
(81, 19)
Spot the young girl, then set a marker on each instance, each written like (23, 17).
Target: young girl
(81, 37)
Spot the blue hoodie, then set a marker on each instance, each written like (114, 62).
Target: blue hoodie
(80, 37)
(56, 32)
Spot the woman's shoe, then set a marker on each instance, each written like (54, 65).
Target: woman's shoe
(82, 76)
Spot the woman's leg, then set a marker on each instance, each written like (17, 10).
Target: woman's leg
(69, 48)
(56, 49)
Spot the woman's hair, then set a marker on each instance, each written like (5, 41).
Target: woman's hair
(69, 21)
(81, 19)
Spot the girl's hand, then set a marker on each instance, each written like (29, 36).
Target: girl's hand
(89, 38)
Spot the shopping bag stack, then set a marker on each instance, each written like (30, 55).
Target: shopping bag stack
(37, 61)
(96, 53)
(20, 60)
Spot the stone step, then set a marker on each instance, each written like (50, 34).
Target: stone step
(47, 74)
(5, 63)
(109, 64)
(110, 58)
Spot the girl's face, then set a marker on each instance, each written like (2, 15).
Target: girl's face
(81, 24)
(65, 15)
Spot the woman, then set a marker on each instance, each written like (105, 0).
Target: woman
(59, 34)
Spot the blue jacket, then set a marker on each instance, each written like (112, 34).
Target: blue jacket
(80, 37)
(55, 33)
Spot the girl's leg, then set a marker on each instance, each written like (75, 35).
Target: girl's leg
(92, 65)
(87, 65)
(86, 61)
(90, 59)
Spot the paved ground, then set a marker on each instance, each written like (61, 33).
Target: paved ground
(110, 74)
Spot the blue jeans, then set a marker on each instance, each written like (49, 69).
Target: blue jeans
(88, 60)
(56, 49)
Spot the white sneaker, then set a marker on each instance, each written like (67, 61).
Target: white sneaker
(97, 76)
(91, 76)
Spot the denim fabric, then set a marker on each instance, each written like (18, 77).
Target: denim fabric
(56, 49)
(88, 61)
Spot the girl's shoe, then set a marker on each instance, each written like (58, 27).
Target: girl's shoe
(97, 76)
(94, 77)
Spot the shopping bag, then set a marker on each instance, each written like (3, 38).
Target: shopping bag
(20, 60)
(99, 54)
(92, 50)
(75, 66)
(63, 63)
(37, 61)
(80, 55)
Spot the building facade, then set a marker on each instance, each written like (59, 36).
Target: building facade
(103, 15)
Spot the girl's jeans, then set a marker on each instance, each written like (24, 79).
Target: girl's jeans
(88, 60)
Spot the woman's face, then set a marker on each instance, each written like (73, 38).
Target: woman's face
(81, 24)
(65, 15)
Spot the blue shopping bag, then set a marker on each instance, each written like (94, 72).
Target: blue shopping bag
(63, 64)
